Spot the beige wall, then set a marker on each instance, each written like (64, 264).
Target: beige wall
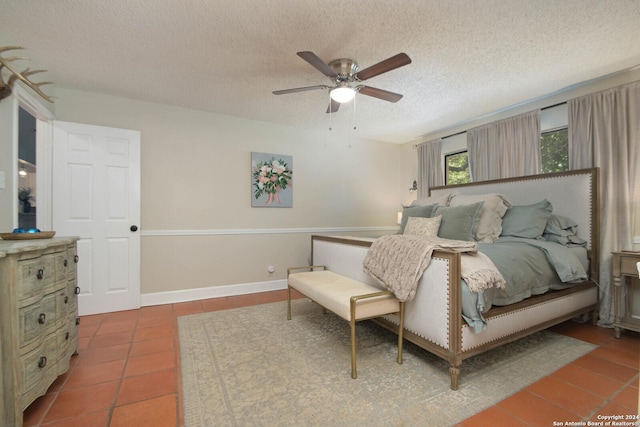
(196, 179)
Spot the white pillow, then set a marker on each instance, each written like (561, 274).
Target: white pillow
(418, 226)
(440, 200)
(493, 209)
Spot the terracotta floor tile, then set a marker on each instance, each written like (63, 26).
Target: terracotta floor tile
(186, 308)
(587, 380)
(150, 363)
(155, 345)
(102, 355)
(156, 311)
(585, 332)
(567, 396)
(83, 376)
(629, 341)
(94, 319)
(82, 401)
(242, 300)
(628, 398)
(216, 304)
(154, 321)
(143, 387)
(604, 367)
(492, 417)
(115, 327)
(158, 412)
(153, 332)
(87, 330)
(122, 316)
(95, 419)
(612, 409)
(534, 410)
(101, 341)
(612, 354)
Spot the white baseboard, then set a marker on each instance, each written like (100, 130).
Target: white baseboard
(171, 297)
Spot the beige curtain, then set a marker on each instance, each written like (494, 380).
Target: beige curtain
(506, 148)
(429, 166)
(604, 131)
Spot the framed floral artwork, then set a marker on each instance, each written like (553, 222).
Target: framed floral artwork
(272, 180)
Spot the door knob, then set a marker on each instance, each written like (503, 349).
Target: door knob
(134, 228)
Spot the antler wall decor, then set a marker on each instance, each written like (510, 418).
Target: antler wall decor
(6, 88)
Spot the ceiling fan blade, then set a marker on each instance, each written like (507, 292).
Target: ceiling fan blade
(333, 107)
(381, 94)
(299, 89)
(318, 63)
(389, 64)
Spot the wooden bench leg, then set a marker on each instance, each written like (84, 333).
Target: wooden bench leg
(354, 373)
(401, 332)
(288, 302)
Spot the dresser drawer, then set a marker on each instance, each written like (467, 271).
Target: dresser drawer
(40, 367)
(628, 265)
(35, 275)
(36, 319)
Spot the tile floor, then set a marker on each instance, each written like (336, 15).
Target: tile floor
(127, 373)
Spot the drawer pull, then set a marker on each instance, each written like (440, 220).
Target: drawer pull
(42, 362)
(77, 321)
(65, 262)
(77, 291)
(66, 299)
(40, 274)
(76, 259)
(42, 318)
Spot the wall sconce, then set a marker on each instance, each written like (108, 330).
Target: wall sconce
(22, 172)
(400, 222)
(414, 186)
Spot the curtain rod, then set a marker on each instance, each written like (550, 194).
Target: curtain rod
(464, 131)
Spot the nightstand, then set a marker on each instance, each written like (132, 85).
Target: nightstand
(624, 264)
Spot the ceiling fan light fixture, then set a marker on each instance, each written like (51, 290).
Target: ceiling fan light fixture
(342, 94)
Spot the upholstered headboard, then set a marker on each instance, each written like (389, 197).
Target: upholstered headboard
(573, 194)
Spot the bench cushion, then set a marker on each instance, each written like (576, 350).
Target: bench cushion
(334, 291)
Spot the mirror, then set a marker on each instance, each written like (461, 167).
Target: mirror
(27, 191)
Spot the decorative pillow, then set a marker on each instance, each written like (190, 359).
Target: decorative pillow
(560, 226)
(417, 226)
(459, 222)
(493, 209)
(563, 230)
(414, 211)
(438, 201)
(527, 221)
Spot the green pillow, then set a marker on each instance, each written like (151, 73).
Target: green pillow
(526, 221)
(414, 210)
(459, 222)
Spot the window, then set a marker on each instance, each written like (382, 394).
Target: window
(554, 148)
(456, 168)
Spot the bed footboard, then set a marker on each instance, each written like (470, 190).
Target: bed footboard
(433, 319)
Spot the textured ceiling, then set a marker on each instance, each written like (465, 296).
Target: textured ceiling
(470, 57)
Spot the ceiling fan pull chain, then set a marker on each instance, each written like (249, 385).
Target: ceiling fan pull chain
(330, 111)
(355, 116)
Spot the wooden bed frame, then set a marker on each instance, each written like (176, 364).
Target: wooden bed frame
(433, 320)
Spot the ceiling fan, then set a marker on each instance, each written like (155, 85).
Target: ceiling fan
(346, 76)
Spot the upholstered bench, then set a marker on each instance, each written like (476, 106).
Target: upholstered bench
(348, 298)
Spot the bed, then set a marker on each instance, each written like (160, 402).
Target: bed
(435, 319)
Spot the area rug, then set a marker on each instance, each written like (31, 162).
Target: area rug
(251, 367)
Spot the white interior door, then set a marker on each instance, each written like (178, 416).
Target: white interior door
(96, 196)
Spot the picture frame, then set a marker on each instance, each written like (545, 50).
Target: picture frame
(271, 180)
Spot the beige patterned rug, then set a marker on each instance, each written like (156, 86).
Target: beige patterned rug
(252, 367)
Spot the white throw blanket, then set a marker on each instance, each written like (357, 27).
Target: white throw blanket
(398, 262)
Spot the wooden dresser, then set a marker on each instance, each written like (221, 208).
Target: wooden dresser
(624, 268)
(38, 319)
